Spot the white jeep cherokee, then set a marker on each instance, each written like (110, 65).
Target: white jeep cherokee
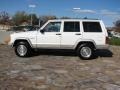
(82, 35)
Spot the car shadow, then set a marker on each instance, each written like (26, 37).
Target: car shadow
(103, 53)
(97, 53)
(55, 52)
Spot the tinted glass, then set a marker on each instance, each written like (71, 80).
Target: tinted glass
(71, 27)
(92, 27)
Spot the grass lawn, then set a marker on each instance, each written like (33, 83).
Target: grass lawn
(115, 41)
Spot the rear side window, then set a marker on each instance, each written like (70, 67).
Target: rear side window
(92, 27)
(71, 27)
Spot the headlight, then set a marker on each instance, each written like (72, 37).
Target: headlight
(7, 40)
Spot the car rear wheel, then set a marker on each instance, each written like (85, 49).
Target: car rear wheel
(85, 51)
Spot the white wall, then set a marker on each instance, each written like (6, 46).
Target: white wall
(3, 35)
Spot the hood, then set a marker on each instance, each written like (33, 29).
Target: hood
(23, 34)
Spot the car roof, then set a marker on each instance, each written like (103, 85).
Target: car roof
(75, 20)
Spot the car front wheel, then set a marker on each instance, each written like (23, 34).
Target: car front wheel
(22, 49)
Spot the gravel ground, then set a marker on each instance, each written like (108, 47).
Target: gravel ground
(59, 70)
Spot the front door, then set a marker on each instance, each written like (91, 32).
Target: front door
(49, 36)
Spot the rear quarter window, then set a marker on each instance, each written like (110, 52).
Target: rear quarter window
(92, 27)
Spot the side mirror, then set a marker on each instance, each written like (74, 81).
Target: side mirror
(42, 31)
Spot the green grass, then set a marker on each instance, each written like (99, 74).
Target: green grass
(115, 41)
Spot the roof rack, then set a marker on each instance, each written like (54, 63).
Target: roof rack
(82, 18)
(86, 18)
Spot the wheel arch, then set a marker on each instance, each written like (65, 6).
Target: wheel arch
(22, 39)
(92, 43)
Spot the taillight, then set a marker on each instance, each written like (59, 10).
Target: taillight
(107, 41)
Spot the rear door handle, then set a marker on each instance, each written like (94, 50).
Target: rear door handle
(77, 34)
(58, 34)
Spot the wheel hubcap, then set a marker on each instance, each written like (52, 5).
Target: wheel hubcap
(85, 52)
(22, 50)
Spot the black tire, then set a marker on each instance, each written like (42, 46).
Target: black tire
(24, 45)
(81, 52)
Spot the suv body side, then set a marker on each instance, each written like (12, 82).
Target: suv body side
(70, 40)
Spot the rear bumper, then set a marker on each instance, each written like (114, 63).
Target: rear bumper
(102, 46)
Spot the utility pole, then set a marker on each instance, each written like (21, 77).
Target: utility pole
(31, 19)
(76, 10)
(39, 21)
(32, 7)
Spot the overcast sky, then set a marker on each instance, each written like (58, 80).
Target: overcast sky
(107, 10)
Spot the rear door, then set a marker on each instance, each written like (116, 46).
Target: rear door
(71, 33)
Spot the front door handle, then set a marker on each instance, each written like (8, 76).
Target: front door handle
(58, 34)
(77, 34)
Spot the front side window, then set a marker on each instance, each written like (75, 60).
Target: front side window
(53, 27)
(92, 27)
(71, 27)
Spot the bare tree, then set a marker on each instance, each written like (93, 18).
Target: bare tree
(117, 26)
(117, 23)
(20, 17)
(44, 19)
(4, 18)
(35, 20)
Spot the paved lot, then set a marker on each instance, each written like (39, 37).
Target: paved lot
(53, 70)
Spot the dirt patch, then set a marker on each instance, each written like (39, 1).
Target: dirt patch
(59, 70)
